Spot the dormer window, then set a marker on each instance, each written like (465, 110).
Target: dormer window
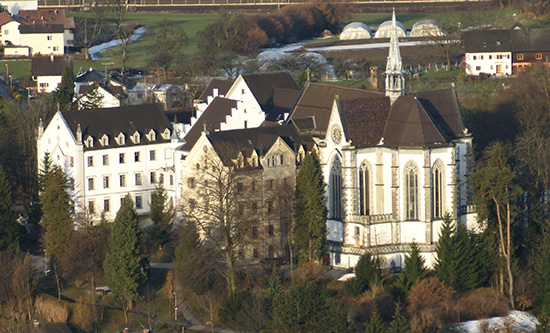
(120, 139)
(89, 142)
(166, 134)
(151, 136)
(104, 140)
(135, 137)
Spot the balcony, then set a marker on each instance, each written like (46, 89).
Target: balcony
(371, 219)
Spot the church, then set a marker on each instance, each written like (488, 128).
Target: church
(394, 165)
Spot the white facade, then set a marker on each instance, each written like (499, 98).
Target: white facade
(492, 63)
(47, 83)
(9, 34)
(100, 178)
(241, 92)
(44, 43)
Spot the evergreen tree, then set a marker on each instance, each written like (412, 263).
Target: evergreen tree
(310, 230)
(367, 272)
(446, 263)
(56, 206)
(375, 324)
(399, 323)
(159, 233)
(414, 271)
(64, 93)
(125, 263)
(9, 229)
(93, 100)
(188, 241)
(44, 170)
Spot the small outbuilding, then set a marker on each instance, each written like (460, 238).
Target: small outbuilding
(384, 30)
(427, 27)
(356, 30)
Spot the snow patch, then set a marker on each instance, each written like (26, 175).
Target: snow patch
(346, 277)
(519, 321)
(96, 50)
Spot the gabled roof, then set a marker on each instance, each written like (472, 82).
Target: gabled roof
(49, 66)
(509, 40)
(41, 28)
(51, 16)
(317, 100)
(113, 121)
(223, 87)
(283, 102)
(212, 117)
(90, 75)
(5, 17)
(425, 119)
(262, 84)
(365, 119)
(183, 115)
(228, 144)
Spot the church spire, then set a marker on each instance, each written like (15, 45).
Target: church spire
(395, 82)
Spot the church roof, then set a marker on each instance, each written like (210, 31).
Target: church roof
(223, 87)
(317, 99)
(424, 119)
(365, 119)
(113, 121)
(212, 117)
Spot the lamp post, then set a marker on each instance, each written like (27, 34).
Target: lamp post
(175, 306)
(10, 81)
(7, 71)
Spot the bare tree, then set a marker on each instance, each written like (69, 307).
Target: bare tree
(123, 31)
(215, 201)
(93, 29)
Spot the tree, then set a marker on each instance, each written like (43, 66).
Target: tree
(57, 220)
(125, 265)
(160, 216)
(168, 39)
(541, 275)
(92, 100)
(64, 93)
(122, 30)
(46, 166)
(375, 323)
(367, 272)
(216, 204)
(495, 193)
(92, 31)
(399, 324)
(310, 213)
(414, 271)
(9, 229)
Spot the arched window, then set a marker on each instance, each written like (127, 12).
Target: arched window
(335, 185)
(411, 192)
(437, 191)
(364, 187)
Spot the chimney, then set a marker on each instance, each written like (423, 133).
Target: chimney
(51, 57)
(215, 92)
(79, 134)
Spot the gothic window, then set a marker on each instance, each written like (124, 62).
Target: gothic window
(335, 186)
(364, 186)
(437, 191)
(411, 192)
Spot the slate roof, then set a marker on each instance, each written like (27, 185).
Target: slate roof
(317, 99)
(223, 87)
(228, 144)
(283, 102)
(112, 121)
(365, 119)
(213, 116)
(509, 40)
(183, 115)
(263, 84)
(90, 75)
(51, 16)
(41, 28)
(425, 119)
(44, 66)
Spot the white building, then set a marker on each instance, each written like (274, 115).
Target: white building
(9, 29)
(488, 52)
(48, 72)
(44, 39)
(109, 153)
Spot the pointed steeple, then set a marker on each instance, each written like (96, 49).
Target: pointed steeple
(395, 82)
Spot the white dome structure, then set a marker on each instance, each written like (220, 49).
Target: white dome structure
(356, 30)
(384, 30)
(428, 27)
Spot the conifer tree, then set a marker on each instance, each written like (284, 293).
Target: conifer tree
(367, 272)
(56, 220)
(375, 324)
(310, 230)
(399, 323)
(9, 229)
(160, 216)
(64, 93)
(45, 168)
(414, 271)
(541, 275)
(446, 263)
(125, 263)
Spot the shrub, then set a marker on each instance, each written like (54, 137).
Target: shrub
(51, 309)
(481, 303)
(429, 304)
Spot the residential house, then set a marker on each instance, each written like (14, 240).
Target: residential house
(51, 16)
(394, 164)
(42, 39)
(260, 163)
(168, 95)
(48, 72)
(9, 33)
(109, 153)
(104, 94)
(505, 52)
